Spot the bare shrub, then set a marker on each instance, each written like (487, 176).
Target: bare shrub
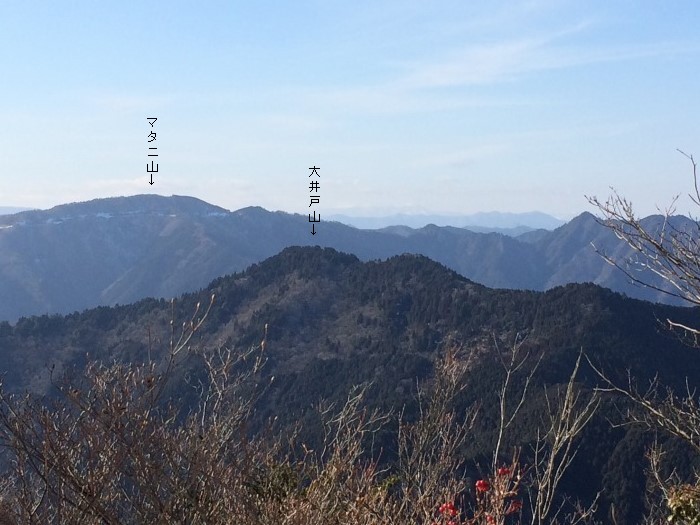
(112, 449)
(671, 251)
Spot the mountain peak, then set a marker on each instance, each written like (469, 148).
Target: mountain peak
(145, 203)
(252, 211)
(584, 218)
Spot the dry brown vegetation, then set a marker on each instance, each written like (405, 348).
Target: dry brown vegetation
(113, 449)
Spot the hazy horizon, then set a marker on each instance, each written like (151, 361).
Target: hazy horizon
(358, 212)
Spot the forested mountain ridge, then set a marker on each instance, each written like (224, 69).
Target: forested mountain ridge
(333, 321)
(120, 250)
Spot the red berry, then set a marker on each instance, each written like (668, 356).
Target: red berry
(514, 506)
(482, 485)
(503, 471)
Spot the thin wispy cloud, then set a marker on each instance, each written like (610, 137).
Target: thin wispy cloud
(505, 61)
(427, 85)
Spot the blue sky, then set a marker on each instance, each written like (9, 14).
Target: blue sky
(441, 106)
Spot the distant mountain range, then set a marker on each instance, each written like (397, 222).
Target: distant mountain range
(507, 223)
(9, 210)
(119, 250)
